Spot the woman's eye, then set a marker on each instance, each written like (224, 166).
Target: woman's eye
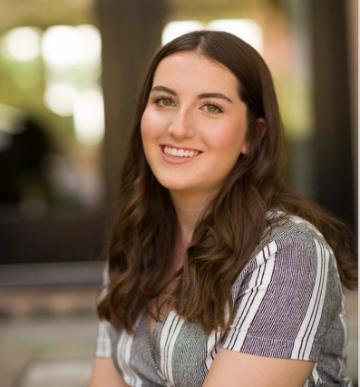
(164, 101)
(212, 108)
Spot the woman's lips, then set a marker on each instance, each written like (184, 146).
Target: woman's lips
(178, 155)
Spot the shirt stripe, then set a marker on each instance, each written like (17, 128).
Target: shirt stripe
(250, 305)
(169, 334)
(124, 348)
(308, 328)
(212, 345)
(103, 348)
(123, 354)
(315, 375)
(170, 349)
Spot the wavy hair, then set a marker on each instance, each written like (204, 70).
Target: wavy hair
(143, 236)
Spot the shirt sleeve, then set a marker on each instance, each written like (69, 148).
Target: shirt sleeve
(103, 343)
(283, 305)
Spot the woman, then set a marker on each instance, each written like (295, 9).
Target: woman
(218, 274)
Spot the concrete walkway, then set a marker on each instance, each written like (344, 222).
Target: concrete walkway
(47, 336)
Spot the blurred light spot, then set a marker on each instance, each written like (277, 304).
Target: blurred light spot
(59, 46)
(89, 116)
(59, 98)
(245, 29)
(66, 46)
(176, 28)
(89, 37)
(22, 44)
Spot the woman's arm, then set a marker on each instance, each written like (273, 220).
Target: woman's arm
(104, 374)
(281, 312)
(235, 369)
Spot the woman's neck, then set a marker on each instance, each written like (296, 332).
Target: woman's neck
(189, 208)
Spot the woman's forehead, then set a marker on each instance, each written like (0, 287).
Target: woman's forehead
(191, 68)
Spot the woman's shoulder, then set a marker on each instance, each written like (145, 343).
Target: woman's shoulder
(292, 247)
(288, 297)
(285, 229)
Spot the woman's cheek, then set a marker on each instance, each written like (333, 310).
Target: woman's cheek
(226, 133)
(153, 120)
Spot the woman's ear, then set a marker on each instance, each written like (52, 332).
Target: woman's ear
(261, 128)
(251, 142)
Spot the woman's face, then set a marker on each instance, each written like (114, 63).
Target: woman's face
(194, 125)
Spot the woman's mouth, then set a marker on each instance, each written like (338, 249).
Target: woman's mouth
(179, 152)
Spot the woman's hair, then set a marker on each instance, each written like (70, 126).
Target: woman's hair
(143, 237)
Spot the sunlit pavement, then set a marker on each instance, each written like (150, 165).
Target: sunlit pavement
(47, 336)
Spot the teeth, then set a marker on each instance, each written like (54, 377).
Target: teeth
(179, 152)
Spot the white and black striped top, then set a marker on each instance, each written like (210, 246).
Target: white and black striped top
(288, 304)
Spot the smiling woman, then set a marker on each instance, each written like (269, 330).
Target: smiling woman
(218, 274)
(195, 113)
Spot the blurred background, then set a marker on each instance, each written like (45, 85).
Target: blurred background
(70, 72)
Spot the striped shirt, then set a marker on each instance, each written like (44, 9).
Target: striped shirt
(288, 304)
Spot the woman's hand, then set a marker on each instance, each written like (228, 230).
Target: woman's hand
(104, 374)
(234, 369)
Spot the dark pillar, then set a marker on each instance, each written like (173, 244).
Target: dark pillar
(131, 32)
(333, 161)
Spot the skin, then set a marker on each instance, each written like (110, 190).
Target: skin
(235, 369)
(199, 110)
(104, 374)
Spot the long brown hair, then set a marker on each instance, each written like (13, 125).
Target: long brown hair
(143, 236)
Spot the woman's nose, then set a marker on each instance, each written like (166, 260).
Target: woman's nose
(182, 125)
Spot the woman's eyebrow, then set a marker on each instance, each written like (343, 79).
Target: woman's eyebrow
(200, 96)
(163, 88)
(215, 95)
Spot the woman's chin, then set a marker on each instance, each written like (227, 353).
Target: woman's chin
(176, 186)
(187, 189)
